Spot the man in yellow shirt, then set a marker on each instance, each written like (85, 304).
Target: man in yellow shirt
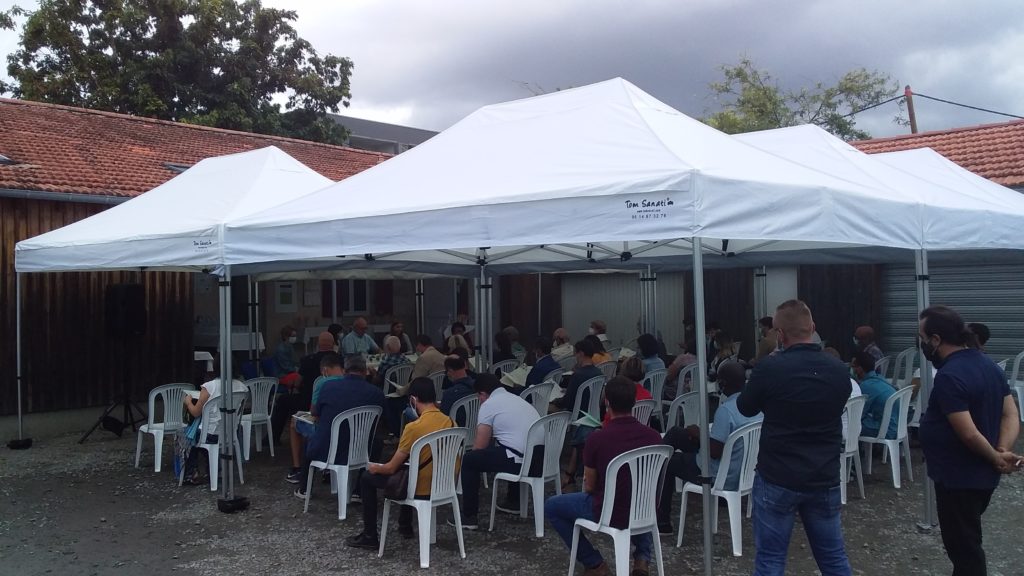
(423, 399)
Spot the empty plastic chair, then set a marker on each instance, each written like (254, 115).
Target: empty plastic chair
(902, 397)
(172, 396)
(851, 449)
(361, 423)
(262, 397)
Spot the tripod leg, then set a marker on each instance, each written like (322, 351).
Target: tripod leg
(98, 422)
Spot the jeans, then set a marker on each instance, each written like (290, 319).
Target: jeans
(960, 520)
(775, 509)
(563, 511)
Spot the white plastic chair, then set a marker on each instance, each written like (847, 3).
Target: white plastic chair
(608, 369)
(851, 449)
(614, 353)
(549, 432)
(520, 356)
(902, 396)
(567, 363)
(642, 411)
(646, 470)
(592, 388)
(470, 407)
(684, 405)
(438, 379)
(686, 376)
(882, 366)
(172, 396)
(262, 398)
(213, 449)
(539, 395)
(361, 423)
(903, 369)
(397, 376)
(554, 376)
(504, 367)
(445, 448)
(1002, 364)
(750, 435)
(654, 381)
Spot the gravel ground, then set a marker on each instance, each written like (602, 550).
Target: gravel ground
(72, 509)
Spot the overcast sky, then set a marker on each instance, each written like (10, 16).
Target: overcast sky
(428, 64)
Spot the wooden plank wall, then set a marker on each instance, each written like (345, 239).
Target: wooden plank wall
(518, 306)
(728, 300)
(841, 298)
(67, 360)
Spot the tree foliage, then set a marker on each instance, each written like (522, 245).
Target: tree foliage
(751, 99)
(220, 63)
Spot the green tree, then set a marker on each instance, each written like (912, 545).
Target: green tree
(218, 63)
(751, 99)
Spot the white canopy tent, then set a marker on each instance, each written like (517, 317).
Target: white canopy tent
(177, 226)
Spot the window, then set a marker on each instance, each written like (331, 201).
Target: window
(176, 168)
(353, 297)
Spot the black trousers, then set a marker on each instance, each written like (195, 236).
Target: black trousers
(284, 408)
(368, 486)
(960, 520)
(683, 464)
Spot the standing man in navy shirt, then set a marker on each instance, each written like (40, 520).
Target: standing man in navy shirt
(966, 432)
(802, 393)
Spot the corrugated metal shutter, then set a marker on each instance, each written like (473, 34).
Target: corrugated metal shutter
(615, 298)
(986, 293)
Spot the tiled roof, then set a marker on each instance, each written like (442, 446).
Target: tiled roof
(995, 151)
(79, 151)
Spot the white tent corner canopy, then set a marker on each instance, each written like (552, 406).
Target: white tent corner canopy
(177, 225)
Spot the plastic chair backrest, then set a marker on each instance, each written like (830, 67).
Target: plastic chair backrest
(646, 471)
(1015, 371)
(398, 376)
(445, 448)
(539, 395)
(608, 369)
(554, 376)
(547, 431)
(684, 405)
(520, 356)
(567, 363)
(882, 366)
(688, 373)
(854, 412)
(261, 391)
(903, 368)
(654, 382)
(1002, 364)
(750, 436)
(172, 396)
(438, 379)
(361, 423)
(614, 352)
(504, 367)
(642, 411)
(592, 388)
(470, 407)
(902, 396)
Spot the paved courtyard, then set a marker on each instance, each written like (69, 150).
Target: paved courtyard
(72, 509)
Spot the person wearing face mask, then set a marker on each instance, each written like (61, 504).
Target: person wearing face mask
(864, 339)
(598, 328)
(966, 433)
(802, 393)
(284, 358)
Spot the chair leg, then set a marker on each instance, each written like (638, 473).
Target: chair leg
(425, 520)
(342, 478)
(892, 450)
(238, 461)
(682, 520)
(870, 455)
(494, 504)
(657, 553)
(714, 514)
(537, 490)
(213, 456)
(309, 488)
(384, 528)
(572, 549)
(621, 540)
(158, 449)
(844, 478)
(458, 527)
(138, 448)
(860, 477)
(734, 502)
(906, 456)
(270, 441)
(246, 437)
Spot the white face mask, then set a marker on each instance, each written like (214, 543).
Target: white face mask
(591, 331)
(293, 339)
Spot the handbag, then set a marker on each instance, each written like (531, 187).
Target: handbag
(397, 485)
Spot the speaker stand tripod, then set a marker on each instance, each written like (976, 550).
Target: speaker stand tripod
(128, 419)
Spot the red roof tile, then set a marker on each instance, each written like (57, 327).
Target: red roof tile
(74, 150)
(995, 151)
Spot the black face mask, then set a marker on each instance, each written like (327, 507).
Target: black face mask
(932, 354)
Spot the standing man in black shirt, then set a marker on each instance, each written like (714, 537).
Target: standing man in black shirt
(802, 393)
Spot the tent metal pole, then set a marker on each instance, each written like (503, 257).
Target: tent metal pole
(760, 301)
(929, 514)
(652, 324)
(702, 397)
(478, 358)
(334, 301)
(17, 362)
(253, 341)
(540, 293)
(643, 301)
(486, 336)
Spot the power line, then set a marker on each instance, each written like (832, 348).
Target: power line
(967, 106)
(876, 105)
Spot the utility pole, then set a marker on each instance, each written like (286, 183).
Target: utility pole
(909, 95)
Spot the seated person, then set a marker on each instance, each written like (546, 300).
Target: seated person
(458, 328)
(424, 401)
(585, 370)
(518, 350)
(723, 353)
(599, 329)
(428, 362)
(506, 419)
(648, 353)
(633, 370)
(338, 392)
(392, 357)
(688, 357)
(284, 358)
(460, 387)
(600, 356)
(309, 371)
(561, 345)
(194, 406)
(544, 365)
(358, 341)
(622, 434)
(685, 463)
(398, 331)
(502, 348)
(877, 391)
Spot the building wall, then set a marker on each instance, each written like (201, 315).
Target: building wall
(68, 360)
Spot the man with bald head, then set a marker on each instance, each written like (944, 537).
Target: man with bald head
(864, 339)
(358, 341)
(802, 394)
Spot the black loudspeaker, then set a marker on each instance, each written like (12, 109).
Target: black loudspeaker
(126, 310)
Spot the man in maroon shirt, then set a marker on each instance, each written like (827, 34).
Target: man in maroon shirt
(620, 434)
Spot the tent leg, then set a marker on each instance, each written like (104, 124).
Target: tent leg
(702, 378)
(334, 301)
(930, 515)
(652, 318)
(478, 354)
(227, 431)
(21, 442)
(760, 301)
(540, 294)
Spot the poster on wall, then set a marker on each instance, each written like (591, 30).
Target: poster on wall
(285, 297)
(311, 294)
